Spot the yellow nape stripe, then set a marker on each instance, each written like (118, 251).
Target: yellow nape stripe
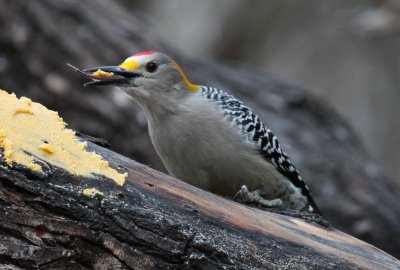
(129, 64)
(192, 87)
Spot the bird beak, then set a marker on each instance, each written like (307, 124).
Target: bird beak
(107, 75)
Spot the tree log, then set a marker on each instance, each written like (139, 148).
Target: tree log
(37, 38)
(156, 222)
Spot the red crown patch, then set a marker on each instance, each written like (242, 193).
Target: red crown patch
(143, 53)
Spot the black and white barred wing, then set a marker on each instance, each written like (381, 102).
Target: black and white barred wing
(255, 131)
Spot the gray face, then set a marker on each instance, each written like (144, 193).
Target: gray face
(159, 78)
(153, 79)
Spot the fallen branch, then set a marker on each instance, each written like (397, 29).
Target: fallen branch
(157, 222)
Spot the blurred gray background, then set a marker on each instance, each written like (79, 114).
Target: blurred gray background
(345, 52)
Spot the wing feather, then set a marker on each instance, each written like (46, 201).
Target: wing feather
(254, 131)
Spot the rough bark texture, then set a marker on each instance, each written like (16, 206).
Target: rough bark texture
(37, 38)
(156, 222)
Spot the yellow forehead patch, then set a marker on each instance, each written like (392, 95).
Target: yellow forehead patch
(129, 64)
(192, 87)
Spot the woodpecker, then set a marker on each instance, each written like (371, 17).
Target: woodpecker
(205, 136)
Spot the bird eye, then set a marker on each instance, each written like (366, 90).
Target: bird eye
(151, 67)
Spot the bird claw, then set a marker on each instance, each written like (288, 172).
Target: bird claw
(246, 196)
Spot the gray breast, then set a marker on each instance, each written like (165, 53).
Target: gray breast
(204, 149)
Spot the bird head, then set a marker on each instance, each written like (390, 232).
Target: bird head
(145, 77)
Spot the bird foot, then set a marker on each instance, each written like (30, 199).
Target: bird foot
(255, 199)
(246, 196)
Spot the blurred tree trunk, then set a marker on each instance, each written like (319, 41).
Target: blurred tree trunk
(37, 38)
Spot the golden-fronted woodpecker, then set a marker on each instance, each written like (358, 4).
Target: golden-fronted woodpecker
(207, 137)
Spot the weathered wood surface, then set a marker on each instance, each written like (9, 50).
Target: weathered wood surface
(157, 222)
(37, 38)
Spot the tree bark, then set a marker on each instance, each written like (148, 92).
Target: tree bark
(37, 38)
(156, 222)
